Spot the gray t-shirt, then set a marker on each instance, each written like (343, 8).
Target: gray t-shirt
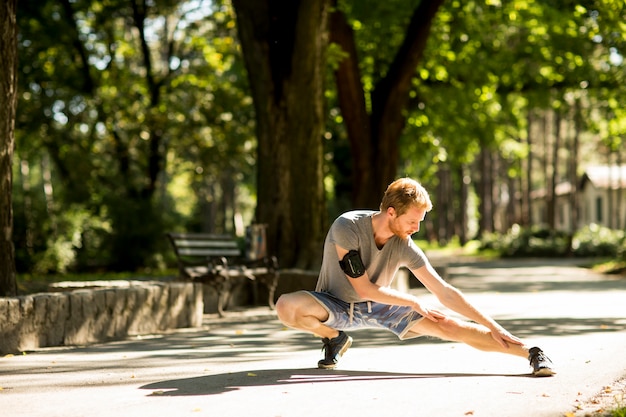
(353, 230)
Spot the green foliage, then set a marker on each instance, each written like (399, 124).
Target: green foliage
(490, 63)
(620, 406)
(619, 412)
(66, 247)
(132, 107)
(594, 240)
(145, 137)
(591, 241)
(527, 242)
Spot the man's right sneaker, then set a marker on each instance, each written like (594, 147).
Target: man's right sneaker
(333, 349)
(542, 365)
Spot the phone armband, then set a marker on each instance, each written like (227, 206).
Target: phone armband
(352, 264)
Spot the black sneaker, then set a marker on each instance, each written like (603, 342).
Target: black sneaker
(542, 365)
(333, 349)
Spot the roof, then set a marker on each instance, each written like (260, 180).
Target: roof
(605, 176)
(598, 175)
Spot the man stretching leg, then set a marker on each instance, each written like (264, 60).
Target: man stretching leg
(363, 251)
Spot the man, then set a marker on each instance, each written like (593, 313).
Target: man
(362, 252)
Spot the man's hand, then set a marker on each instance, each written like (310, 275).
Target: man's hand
(503, 337)
(429, 313)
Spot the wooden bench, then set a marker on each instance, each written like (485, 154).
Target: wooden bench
(215, 260)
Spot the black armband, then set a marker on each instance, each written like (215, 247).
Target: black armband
(352, 264)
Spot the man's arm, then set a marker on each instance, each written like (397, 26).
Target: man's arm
(373, 292)
(454, 299)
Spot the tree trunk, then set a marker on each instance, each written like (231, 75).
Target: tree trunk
(526, 219)
(554, 172)
(461, 212)
(8, 103)
(284, 45)
(545, 168)
(485, 192)
(512, 208)
(610, 192)
(620, 189)
(374, 137)
(444, 204)
(573, 170)
(27, 209)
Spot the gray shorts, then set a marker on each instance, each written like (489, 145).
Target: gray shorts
(368, 315)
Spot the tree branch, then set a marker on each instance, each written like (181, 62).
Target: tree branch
(89, 84)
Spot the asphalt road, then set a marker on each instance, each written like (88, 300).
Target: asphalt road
(248, 364)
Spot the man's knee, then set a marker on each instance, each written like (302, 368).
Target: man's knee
(293, 307)
(287, 306)
(283, 306)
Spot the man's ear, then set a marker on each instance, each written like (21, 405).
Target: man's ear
(391, 212)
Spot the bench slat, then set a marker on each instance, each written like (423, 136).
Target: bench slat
(208, 244)
(207, 252)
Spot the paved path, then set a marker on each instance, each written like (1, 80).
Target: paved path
(249, 365)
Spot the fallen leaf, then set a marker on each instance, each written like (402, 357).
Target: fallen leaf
(469, 413)
(251, 374)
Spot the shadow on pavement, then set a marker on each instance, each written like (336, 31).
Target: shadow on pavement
(264, 340)
(563, 326)
(531, 276)
(222, 383)
(517, 282)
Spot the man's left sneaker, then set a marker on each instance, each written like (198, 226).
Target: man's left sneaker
(542, 365)
(333, 349)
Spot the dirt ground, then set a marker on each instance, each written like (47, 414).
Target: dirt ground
(610, 398)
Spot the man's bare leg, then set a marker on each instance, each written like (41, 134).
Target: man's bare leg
(480, 337)
(300, 311)
(469, 333)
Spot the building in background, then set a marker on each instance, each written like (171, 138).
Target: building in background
(601, 200)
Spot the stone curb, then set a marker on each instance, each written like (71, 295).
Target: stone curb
(96, 315)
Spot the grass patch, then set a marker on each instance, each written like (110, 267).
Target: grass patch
(619, 412)
(612, 267)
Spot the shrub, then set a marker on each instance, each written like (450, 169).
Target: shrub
(592, 240)
(524, 242)
(595, 240)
